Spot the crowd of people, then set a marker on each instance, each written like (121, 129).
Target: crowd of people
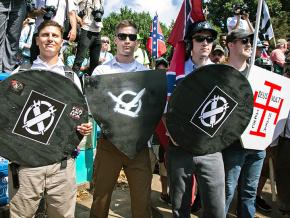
(47, 30)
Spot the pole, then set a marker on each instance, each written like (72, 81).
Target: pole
(272, 179)
(254, 46)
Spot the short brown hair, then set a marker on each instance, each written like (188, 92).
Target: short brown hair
(47, 23)
(125, 23)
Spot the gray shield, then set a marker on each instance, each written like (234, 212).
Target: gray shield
(39, 114)
(127, 106)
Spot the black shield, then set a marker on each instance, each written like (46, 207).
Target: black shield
(127, 106)
(210, 109)
(39, 114)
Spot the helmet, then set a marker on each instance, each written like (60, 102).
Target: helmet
(204, 25)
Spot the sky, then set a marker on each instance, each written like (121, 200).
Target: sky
(167, 10)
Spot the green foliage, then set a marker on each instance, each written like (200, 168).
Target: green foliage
(281, 25)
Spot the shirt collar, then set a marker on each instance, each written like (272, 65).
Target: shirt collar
(40, 62)
(115, 62)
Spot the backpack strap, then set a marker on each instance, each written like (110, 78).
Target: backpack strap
(29, 33)
(24, 66)
(69, 73)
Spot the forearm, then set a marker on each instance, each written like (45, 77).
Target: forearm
(251, 28)
(237, 23)
(73, 20)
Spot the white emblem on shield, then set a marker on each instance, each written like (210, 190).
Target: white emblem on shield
(210, 110)
(127, 108)
(39, 117)
(214, 111)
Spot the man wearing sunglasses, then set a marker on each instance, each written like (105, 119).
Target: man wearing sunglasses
(208, 168)
(109, 160)
(242, 166)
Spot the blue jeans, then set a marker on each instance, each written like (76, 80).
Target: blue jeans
(243, 165)
(209, 172)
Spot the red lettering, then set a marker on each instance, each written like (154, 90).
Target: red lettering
(266, 108)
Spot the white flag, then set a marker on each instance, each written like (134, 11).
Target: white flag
(266, 26)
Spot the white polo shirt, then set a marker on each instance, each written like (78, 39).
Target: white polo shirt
(113, 66)
(58, 68)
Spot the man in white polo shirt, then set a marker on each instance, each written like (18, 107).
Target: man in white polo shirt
(109, 160)
(55, 180)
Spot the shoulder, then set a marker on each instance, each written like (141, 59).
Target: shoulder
(140, 66)
(25, 28)
(103, 68)
(274, 53)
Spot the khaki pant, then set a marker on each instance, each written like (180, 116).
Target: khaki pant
(108, 164)
(58, 184)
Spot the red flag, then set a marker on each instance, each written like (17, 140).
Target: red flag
(190, 12)
(155, 43)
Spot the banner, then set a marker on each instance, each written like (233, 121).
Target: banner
(271, 108)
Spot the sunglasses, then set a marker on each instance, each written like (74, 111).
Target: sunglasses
(105, 41)
(123, 36)
(200, 38)
(245, 41)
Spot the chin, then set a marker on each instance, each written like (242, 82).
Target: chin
(204, 55)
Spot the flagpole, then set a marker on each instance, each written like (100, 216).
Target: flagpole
(258, 18)
(257, 25)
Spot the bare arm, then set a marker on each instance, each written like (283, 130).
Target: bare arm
(246, 18)
(237, 23)
(73, 22)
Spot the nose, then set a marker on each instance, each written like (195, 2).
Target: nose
(127, 39)
(204, 42)
(50, 38)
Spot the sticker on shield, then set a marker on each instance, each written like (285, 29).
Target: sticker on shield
(39, 117)
(76, 112)
(214, 111)
(16, 86)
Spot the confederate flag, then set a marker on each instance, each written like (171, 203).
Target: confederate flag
(190, 12)
(155, 43)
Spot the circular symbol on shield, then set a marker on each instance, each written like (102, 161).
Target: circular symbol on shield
(212, 113)
(39, 117)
